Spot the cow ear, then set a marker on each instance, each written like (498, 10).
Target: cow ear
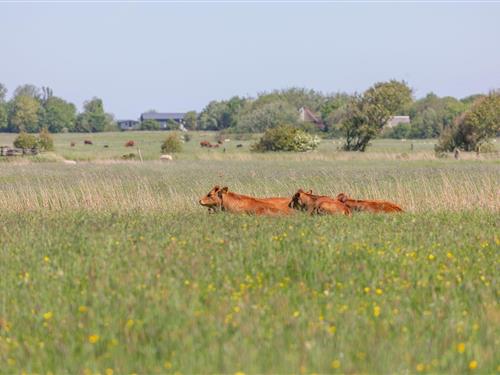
(342, 197)
(225, 189)
(310, 191)
(216, 188)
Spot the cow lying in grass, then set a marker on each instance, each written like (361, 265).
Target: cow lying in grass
(317, 204)
(374, 206)
(222, 199)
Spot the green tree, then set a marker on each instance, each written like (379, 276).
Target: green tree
(3, 93)
(3, 109)
(24, 114)
(431, 114)
(221, 115)
(190, 120)
(28, 90)
(364, 116)
(475, 127)
(263, 117)
(150, 124)
(58, 115)
(93, 118)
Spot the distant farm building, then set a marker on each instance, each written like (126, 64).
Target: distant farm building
(129, 124)
(306, 115)
(396, 120)
(164, 118)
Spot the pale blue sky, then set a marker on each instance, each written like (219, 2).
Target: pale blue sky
(178, 57)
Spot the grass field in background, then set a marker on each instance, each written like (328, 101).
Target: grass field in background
(149, 144)
(113, 266)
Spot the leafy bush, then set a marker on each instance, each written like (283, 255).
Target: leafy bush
(286, 138)
(25, 140)
(172, 144)
(45, 141)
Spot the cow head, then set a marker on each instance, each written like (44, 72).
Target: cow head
(213, 199)
(302, 200)
(342, 197)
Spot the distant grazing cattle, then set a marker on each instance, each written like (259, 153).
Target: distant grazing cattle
(130, 144)
(166, 157)
(318, 204)
(207, 144)
(368, 205)
(239, 145)
(223, 199)
(87, 142)
(220, 141)
(69, 162)
(72, 144)
(106, 146)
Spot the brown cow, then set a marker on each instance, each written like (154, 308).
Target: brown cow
(318, 204)
(221, 198)
(87, 142)
(369, 205)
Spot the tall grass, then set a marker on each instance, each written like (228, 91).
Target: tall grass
(176, 187)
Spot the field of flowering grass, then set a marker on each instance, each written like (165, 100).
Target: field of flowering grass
(113, 268)
(99, 292)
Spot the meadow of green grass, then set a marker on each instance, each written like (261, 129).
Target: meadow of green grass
(113, 267)
(149, 144)
(193, 293)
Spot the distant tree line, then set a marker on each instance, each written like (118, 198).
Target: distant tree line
(358, 118)
(31, 109)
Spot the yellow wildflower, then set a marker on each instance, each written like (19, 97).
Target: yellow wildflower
(461, 347)
(48, 315)
(296, 314)
(420, 367)
(332, 330)
(83, 309)
(379, 291)
(167, 364)
(109, 371)
(376, 311)
(431, 257)
(473, 364)
(93, 338)
(336, 364)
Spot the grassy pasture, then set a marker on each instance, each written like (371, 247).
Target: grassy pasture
(113, 265)
(149, 144)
